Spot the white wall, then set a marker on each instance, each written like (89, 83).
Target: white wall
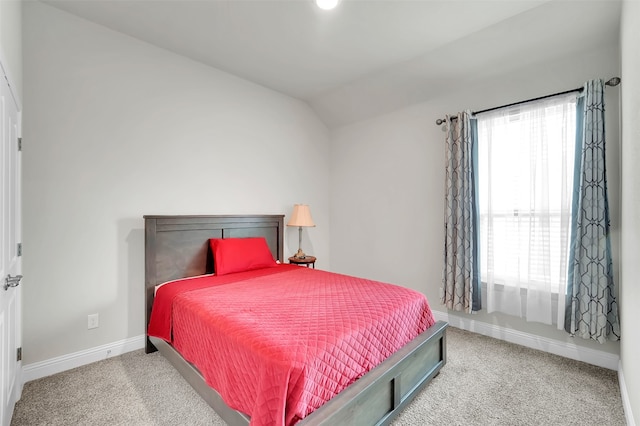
(114, 129)
(388, 172)
(11, 44)
(630, 267)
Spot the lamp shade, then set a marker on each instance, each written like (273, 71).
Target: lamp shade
(301, 216)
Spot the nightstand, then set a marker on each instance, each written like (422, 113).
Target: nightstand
(307, 260)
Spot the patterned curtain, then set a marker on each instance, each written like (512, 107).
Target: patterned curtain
(591, 308)
(461, 278)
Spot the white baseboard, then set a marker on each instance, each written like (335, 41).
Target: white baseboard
(567, 350)
(626, 404)
(59, 364)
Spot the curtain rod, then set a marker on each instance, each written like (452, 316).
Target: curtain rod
(614, 81)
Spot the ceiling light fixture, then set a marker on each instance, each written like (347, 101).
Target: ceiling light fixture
(327, 4)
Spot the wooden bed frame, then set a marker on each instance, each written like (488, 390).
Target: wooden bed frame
(177, 247)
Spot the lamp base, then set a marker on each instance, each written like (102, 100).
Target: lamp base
(300, 254)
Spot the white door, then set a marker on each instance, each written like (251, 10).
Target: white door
(10, 260)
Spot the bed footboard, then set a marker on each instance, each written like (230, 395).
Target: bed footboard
(374, 399)
(380, 395)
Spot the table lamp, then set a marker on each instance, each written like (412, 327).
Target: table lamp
(300, 217)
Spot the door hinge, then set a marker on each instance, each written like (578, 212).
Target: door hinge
(19, 354)
(19, 249)
(19, 144)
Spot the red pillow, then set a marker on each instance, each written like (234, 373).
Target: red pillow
(240, 254)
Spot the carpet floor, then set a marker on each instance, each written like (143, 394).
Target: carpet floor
(485, 382)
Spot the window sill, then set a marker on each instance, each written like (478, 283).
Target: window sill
(523, 291)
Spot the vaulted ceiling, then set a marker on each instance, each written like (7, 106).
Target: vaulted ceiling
(366, 57)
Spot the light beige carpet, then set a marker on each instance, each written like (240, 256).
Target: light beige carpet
(485, 382)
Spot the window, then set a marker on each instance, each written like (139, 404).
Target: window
(525, 169)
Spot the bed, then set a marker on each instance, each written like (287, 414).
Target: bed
(178, 247)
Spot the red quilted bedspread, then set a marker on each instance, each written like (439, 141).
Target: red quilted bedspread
(278, 343)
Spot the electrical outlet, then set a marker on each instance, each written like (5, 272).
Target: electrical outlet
(92, 321)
